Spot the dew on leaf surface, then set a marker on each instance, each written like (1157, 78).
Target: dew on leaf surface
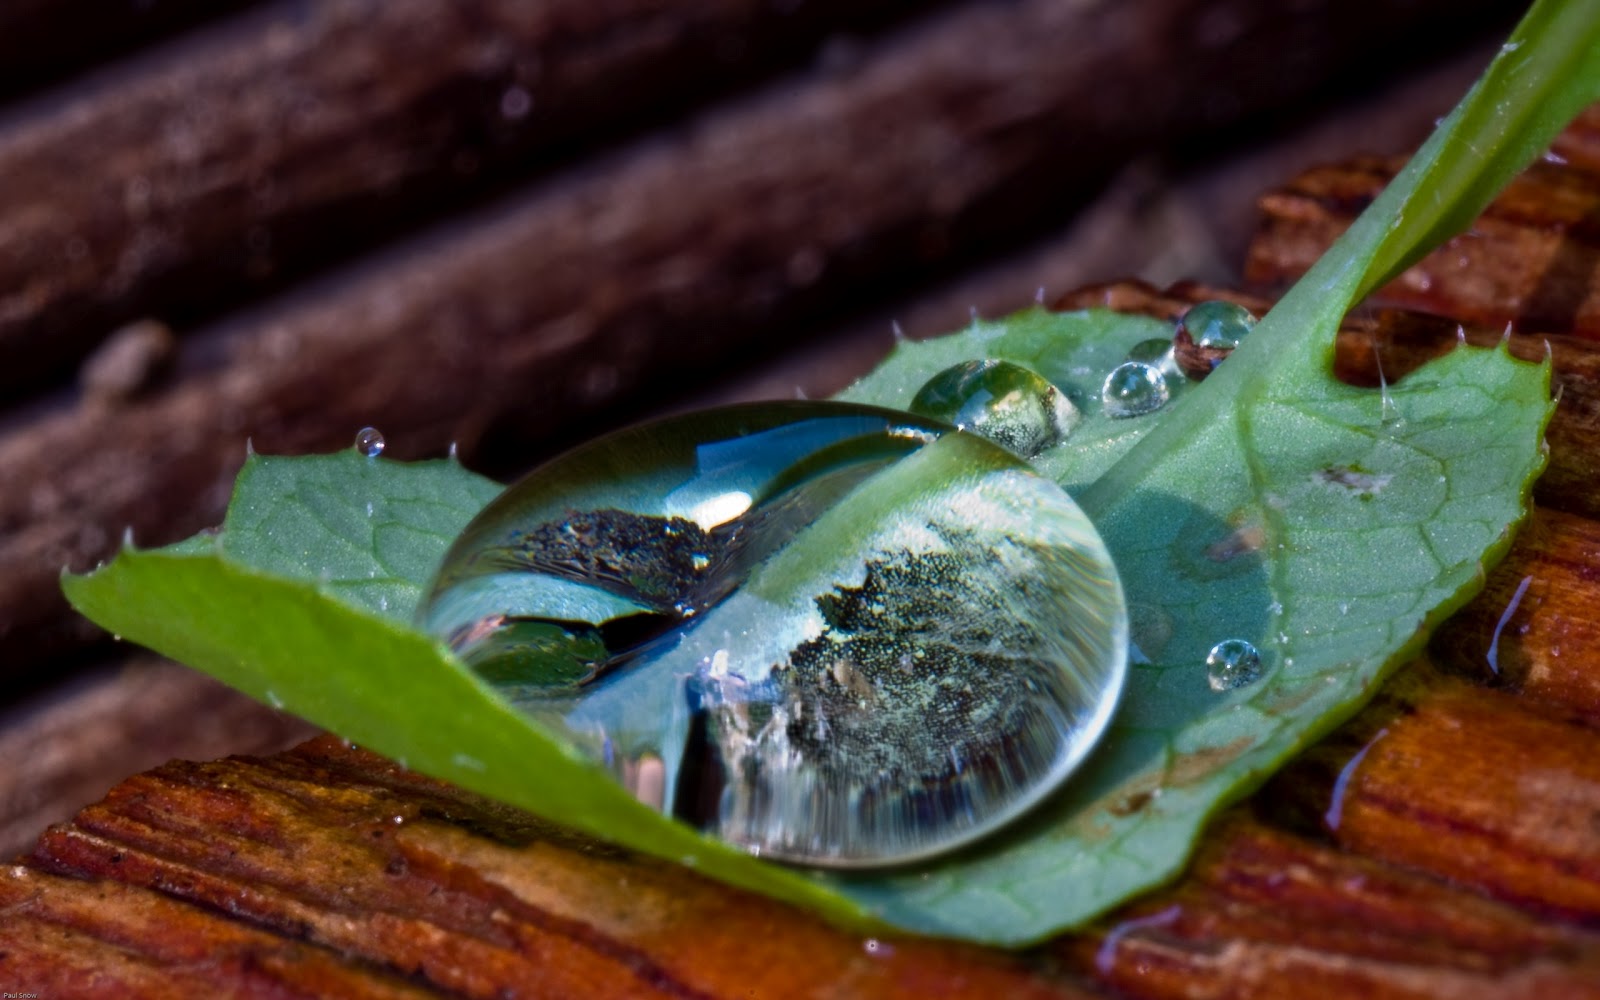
(1232, 663)
(1016, 408)
(826, 633)
(1133, 389)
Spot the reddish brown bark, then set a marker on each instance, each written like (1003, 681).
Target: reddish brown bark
(1265, 913)
(403, 875)
(1481, 787)
(1530, 260)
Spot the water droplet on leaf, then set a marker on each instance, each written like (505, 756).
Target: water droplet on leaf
(1133, 389)
(899, 641)
(1218, 324)
(369, 442)
(1232, 663)
(1157, 353)
(1207, 333)
(1016, 408)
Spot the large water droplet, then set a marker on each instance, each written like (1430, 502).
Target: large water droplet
(1232, 663)
(1014, 407)
(826, 633)
(1134, 388)
(369, 442)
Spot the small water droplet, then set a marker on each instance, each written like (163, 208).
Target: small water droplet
(1157, 353)
(469, 762)
(1232, 663)
(369, 442)
(1133, 389)
(876, 948)
(1016, 408)
(274, 700)
(1207, 333)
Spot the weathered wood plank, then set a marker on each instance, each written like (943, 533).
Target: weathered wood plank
(1266, 913)
(1477, 786)
(348, 852)
(303, 132)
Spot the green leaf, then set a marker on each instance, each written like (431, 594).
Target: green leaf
(1332, 526)
(302, 629)
(372, 532)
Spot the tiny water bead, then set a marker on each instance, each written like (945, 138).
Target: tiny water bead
(1207, 333)
(1016, 408)
(1133, 389)
(369, 442)
(1157, 353)
(826, 633)
(1232, 663)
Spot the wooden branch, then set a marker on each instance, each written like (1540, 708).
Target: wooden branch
(298, 135)
(1476, 786)
(391, 872)
(1267, 913)
(1529, 261)
(1534, 627)
(647, 270)
(334, 848)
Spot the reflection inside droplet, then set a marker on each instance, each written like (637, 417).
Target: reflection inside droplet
(1207, 333)
(1016, 408)
(899, 643)
(1218, 324)
(1133, 389)
(369, 442)
(1232, 663)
